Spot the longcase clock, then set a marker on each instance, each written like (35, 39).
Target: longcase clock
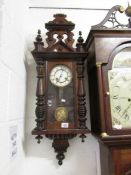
(109, 72)
(61, 106)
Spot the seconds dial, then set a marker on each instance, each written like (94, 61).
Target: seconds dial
(60, 75)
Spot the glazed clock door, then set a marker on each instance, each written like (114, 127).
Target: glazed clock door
(61, 95)
(119, 82)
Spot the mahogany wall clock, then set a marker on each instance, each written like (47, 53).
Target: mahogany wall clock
(61, 107)
(109, 71)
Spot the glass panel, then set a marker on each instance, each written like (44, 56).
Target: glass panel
(60, 95)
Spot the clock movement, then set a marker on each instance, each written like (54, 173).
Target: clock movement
(109, 73)
(61, 107)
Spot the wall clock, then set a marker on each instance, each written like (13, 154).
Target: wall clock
(61, 106)
(109, 72)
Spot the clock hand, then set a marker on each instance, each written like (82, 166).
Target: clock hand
(62, 78)
(123, 97)
(58, 79)
(129, 99)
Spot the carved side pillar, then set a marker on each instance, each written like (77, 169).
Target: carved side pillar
(81, 95)
(40, 94)
(81, 89)
(80, 47)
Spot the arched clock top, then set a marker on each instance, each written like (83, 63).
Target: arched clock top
(120, 57)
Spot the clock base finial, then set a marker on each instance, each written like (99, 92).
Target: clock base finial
(60, 157)
(60, 147)
(83, 136)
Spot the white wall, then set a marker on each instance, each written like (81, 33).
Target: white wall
(12, 85)
(81, 158)
(15, 24)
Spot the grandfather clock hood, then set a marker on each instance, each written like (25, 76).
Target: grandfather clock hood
(61, 107)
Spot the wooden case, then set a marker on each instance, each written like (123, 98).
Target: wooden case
(103, 43)
(60, 51)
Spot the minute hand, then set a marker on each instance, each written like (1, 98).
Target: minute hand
(125, 98)
(60, 75)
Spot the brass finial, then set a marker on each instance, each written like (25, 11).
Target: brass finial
(122, 9)
(128, 10)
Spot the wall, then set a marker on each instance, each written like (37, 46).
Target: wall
(80, 158)
(17, 113)
(12, 85)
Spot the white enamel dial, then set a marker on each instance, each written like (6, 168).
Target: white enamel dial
(120, 97)
(60, 75)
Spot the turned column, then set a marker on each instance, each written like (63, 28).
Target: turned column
(40, 90)
(81, 95)
(40, 94)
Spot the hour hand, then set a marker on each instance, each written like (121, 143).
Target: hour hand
(61, 74)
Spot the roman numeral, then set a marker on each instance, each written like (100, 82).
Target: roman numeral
(126, 116)
(118, 108)
(115, 97)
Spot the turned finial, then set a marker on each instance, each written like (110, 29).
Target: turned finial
(80, 44)
(39, 38)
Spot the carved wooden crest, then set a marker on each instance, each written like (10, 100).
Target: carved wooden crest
(60, 35)
(111, 21)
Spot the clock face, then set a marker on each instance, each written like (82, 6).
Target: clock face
(60, 75)
(120, 97)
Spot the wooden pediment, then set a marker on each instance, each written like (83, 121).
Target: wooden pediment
(59, 38)
(60, 35)
(60, 46)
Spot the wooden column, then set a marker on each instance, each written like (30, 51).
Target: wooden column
(81, 95)
(40, 100)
